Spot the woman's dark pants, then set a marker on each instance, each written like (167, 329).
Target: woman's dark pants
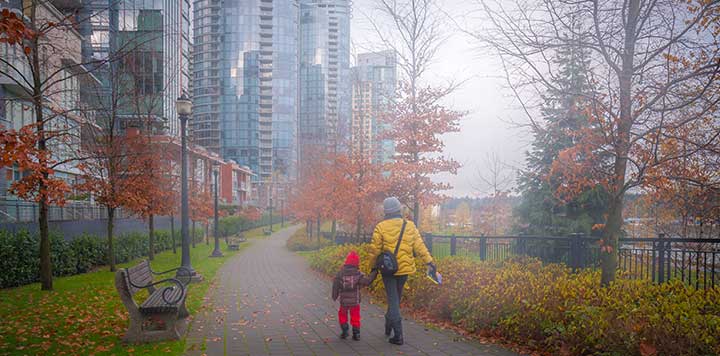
(393, 289)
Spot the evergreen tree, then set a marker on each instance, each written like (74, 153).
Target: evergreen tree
(540, 212)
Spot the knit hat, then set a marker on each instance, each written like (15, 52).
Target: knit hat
(352, 259)
(391, 205)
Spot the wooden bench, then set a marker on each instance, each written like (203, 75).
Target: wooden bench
(162, 315)
(234, 242)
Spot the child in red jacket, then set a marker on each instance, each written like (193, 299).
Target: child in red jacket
(346, 286)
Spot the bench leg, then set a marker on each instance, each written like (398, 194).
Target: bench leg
(136, 334)
(183, 312)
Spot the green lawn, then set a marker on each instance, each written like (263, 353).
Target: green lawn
(259, 232)
(84, 316)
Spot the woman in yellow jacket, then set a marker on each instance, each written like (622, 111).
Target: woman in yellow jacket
(385, 238)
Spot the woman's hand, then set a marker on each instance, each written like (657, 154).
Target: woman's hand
(432, 266)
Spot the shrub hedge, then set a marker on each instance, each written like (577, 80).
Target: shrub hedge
(299, 241)
(548, 307)
(20, 261)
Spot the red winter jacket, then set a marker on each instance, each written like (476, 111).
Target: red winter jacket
(347, 283)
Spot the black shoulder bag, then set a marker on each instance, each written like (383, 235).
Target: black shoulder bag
(387, 262)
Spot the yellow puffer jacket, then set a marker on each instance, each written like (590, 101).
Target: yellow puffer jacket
(385, 238)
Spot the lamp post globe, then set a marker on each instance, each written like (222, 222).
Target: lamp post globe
(183, 106)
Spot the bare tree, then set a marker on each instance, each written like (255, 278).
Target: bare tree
(415, 33)
(655, 65)
(495, 181)
(413, 29)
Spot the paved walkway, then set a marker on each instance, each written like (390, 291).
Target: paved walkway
(268, 302)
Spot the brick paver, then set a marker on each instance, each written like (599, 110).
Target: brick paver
(267, 301)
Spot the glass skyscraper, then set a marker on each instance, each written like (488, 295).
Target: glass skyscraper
(153, 37)
(325, 83)
(246, 84)
(374, 81)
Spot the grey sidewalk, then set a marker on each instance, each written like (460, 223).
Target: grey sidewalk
(268, 302)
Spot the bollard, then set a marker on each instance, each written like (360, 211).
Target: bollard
(660, 248)
(576, 252)
(521, 245)
(453, 245)
(483, 248)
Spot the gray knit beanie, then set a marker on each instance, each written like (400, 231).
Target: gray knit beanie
(391, 205)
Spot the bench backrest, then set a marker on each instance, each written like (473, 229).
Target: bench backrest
(140, 275)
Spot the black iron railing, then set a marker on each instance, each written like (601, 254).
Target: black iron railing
(17, 211)
(694, 261)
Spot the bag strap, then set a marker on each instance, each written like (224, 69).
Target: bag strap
(402, 232)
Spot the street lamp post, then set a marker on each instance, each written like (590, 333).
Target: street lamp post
(271, 219)
(216, 252)
(183, 106)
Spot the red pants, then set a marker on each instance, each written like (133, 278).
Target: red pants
(354, 315)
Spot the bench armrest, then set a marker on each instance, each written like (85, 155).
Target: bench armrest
(168, 271)
(183, 273)
(166, 290)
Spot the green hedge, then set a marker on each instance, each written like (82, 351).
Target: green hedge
(550, 308)
(20, 261)
(299, 241)
(232, 225)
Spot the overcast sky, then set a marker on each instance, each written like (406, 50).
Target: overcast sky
(488, 128)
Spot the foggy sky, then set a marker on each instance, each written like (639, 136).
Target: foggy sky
(491, 125)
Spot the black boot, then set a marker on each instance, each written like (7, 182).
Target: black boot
(345, 329)
(356, 334)
(398, 338)
(388, 327)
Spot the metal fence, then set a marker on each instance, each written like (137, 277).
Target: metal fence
(25, 211)
(693, 261)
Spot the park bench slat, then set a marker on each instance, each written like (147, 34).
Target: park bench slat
(139, 275)
(156, 303)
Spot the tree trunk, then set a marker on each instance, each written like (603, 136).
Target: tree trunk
(172, 233)
(151, 237)
(608, 254)
(333, 231)
(46, 282)
(193, 234)
(308, 228)
(416, 213)
(318, 227)
(358, 228)
(609, 250)
(207, 233)
(110, 228)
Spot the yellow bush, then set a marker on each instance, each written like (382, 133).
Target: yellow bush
(548, 307)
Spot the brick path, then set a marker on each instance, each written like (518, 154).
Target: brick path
(268, 302)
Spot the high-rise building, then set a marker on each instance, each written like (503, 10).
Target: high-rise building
(152, 44)
(325, 92)
(246, 84)
(374, 81)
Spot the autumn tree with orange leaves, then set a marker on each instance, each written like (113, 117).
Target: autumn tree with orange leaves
(656, 66)
(36, 39)
(414, 30)
(359, 189)
(157, 198)
(416, 124)
(201, 205)
(312, 198)
(114, 175)
(685, 192)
